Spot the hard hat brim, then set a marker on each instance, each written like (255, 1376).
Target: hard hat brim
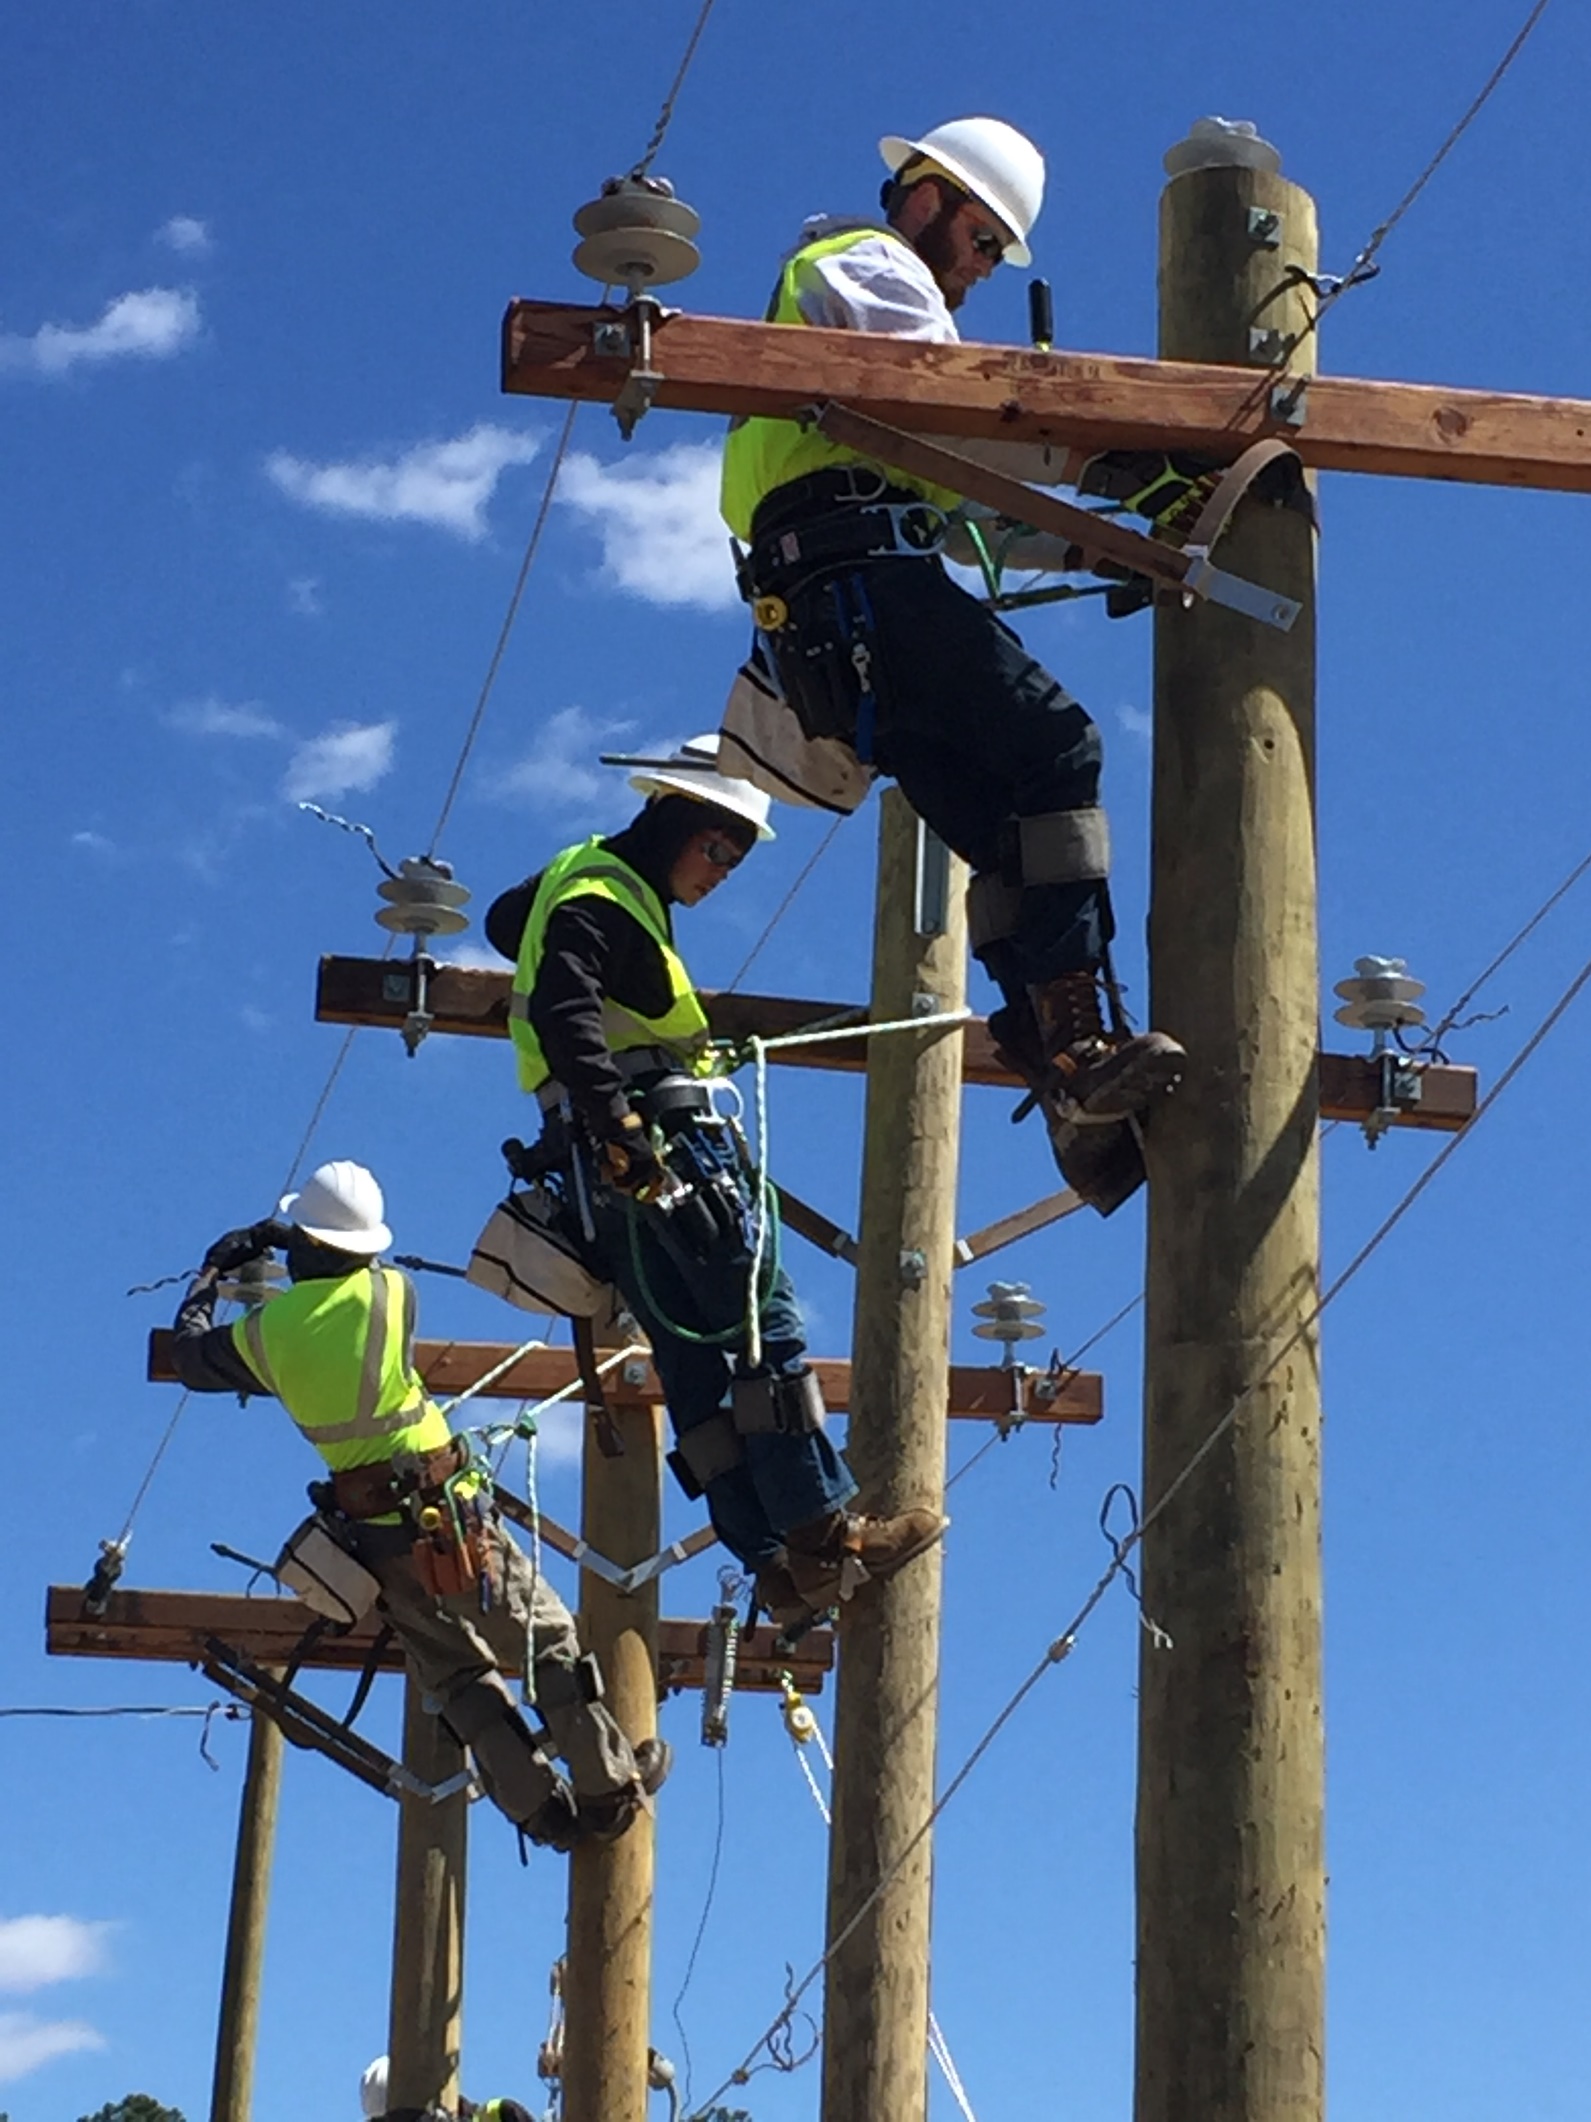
(365, 1244)
(707, 789)
(897, 151)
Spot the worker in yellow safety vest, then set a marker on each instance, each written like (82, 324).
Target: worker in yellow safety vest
(876, 649)
(336, 1348)
(650, 1182)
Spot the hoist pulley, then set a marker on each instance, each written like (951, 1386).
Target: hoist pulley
(423, 900)
(1381, 999)
(637, 235)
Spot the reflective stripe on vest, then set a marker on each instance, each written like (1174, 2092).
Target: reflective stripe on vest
(325, 1346)
(591, 871)
(761, 455)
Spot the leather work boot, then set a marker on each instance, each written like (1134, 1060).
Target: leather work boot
(1102, 1163)
(1093, 1076)
(826, 1559)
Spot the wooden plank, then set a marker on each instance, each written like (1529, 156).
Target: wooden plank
(1085, 401)
(474, 1002)
(172, 1627)
(977, 1392)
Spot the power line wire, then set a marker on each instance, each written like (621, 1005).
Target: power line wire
(1121, 1551)
(784, 905)
(665, 116)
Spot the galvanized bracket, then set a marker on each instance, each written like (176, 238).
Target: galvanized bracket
(1265, 227)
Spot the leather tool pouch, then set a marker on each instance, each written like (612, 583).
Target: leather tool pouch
(451, 1551)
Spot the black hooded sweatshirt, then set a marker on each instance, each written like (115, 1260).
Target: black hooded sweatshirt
(594, 950)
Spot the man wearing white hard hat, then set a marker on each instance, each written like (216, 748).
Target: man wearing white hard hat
(877, 649)
(655, 1187)
(336, 1347)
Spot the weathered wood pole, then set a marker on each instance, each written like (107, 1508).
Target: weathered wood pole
(237, 2034)
(608, 1981)
(876, 2002)
(426, 2030)
(1231, 1890)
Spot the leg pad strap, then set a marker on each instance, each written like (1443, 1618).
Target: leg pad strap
(704, 1452)
(561, 1686)
(1057, 847)
(778, 1406)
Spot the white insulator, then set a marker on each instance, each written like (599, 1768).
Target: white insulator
(1010, 1314)
(253, 1282)
(1382, 998)
(637, 235)
(422, 899)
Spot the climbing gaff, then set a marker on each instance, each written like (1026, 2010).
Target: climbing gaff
(423, 901)
(1384, 1001)
(636, 235)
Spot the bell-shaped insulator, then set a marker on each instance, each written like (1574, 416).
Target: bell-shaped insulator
(637, 235)
(1381, 998)
(422, 899)
(1009, 1314)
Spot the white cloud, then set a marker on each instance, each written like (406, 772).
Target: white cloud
(151, 325)
(473, 957)
(186, 234)
(352, 756)
(560, 1435)
(560, 771)
(662, 536)
(96, 843)
(38, 1950)
(446, 484)
(303, 596)
(1136, 721)
(26, 2043)
(220, 718)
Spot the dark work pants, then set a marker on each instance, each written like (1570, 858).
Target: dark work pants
(784, 1480)
(976, 732)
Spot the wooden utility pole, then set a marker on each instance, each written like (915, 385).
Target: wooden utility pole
(1231, 1927)
(876, 2001)
(232, 2089)
(607, 1985)
(425, 2035)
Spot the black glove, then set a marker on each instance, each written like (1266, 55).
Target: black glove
(236, 1248)
(630, 1164)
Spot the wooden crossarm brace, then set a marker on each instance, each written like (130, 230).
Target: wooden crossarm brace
(174, 1627)
(1074, 401)
(474, 1002)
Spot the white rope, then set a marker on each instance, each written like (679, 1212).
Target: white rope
(938, 2046)
(759, 1058)
(507, 1429)
(942, 1020)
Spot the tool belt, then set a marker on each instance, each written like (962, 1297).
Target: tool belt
(826, 521)
(377, 1490)
(634, 1064)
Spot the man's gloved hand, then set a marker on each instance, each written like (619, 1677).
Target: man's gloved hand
(629, 1163)
(236, 1248)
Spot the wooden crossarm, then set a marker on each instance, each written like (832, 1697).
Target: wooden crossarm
(172, 1627)
(474, 1002)
(1081, 401)
(977, 1392)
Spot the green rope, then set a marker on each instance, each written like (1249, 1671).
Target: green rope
(727, 1336)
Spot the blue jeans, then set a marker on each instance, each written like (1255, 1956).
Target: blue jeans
(785, 1480)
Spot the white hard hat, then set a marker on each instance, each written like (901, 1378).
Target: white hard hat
(373, 2089)
(341, 1205)
(1001, 168)
(692, 770)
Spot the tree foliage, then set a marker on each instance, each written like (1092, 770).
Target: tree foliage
(134, 2107)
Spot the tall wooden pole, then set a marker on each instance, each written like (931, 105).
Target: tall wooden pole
(608, 1981)
(426, 2030)
(876, 2003)
(1231, 1891)
(232, 2089)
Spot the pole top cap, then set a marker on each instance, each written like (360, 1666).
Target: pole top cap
(1222, 143)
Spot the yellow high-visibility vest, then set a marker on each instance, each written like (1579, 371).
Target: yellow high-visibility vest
(591, 871)
(336, 1353)
(761, 455)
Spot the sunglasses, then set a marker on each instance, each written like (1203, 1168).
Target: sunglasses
(722, 854)
(988, 245)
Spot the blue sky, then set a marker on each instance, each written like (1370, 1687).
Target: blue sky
(263, 508)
